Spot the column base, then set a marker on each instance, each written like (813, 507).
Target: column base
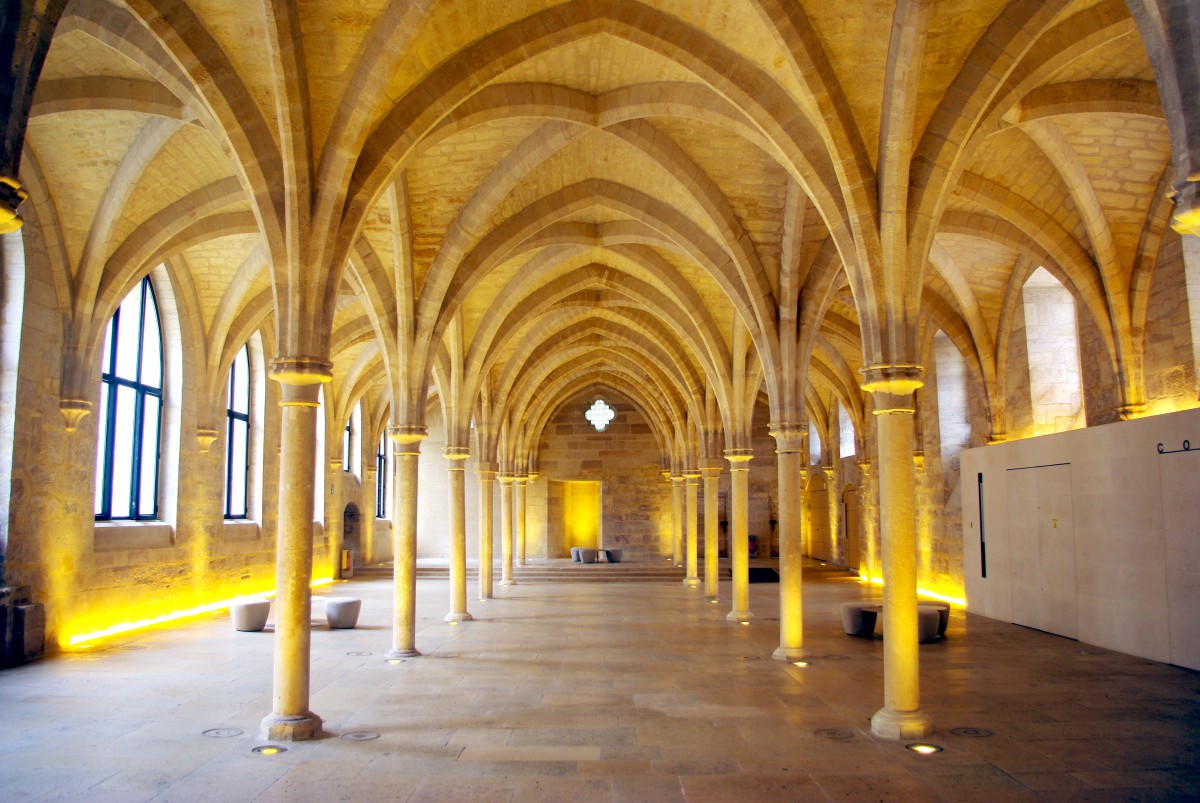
(739, 616)
(691, 582)
(406, 652)
(508, 582)
(790, 654)
(458, 617)
(301, 728)
(901, 724)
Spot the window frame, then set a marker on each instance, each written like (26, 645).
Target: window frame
(110, 384)
(381, 483)
(232, 416)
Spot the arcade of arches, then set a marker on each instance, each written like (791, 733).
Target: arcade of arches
(805, 252)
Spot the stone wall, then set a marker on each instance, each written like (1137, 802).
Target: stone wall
(1168, 362)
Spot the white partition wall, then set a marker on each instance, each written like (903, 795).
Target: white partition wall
(1092, 534)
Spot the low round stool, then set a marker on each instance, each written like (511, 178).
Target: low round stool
(613, 555)
(250, 617)
(928, 619)
(575, 557)
(342, 612)
(587, 555)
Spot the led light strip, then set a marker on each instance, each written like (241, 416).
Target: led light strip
(139, 624)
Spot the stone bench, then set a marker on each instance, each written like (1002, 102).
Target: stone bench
(342, 612)
(250, 617)
(858, 618)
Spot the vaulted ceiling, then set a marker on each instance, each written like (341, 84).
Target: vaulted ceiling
(686, 202)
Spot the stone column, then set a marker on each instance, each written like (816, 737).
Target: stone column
(366, 535)
(457, 455)
(519, 486)
(677, 509)
(290, 719)
(835, 508)
(711, 471)
(865, 504)
(789, 442)
(407, 451)
(739, 544)
(487, 476)
(691, 480)
(506, 530)
(335, 516)
(892, 390)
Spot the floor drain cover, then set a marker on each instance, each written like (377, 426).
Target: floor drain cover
(978, 733)
(833, 657)
(837, 734)
(358, 654)
(749, 658)
(360, 736)
(222, 733)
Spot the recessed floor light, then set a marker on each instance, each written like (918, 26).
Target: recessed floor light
(394, 660)
(360, 736)
(222, 733)
(800, 664)
(358, 654)
(923, 748)
(269, 749)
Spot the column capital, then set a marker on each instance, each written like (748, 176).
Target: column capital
(299, 395)
(335, 463)
(457, 455)
(692, 476)
(864, 466)
(827, 471)
(506, 479)
(407, 438)
(711, 467)
(301, 370)
(487, 470)
(739, 459)
(205, 438)
(1186, 219)
(788, 435)
(892, 386)
(73, 411)
(676, 479)
(12, 195)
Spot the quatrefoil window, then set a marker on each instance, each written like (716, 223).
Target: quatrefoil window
(600, 415)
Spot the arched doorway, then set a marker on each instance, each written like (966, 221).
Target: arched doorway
(850, 527)
(820, 539)
(351, 548)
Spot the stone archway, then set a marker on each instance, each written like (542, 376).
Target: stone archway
(351, 531)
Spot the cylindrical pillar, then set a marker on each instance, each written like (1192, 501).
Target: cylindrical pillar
(789, 442)
(366, 538)
(487, 478)
(870, 560)
(692, 495)
(835, 514)
(519, 486)
(739, 547)
(506, 531)
(677, 513)
(892, 388)
(407, 441)
(457, 457)
(335, 516)
(711, 470)
(290, 719)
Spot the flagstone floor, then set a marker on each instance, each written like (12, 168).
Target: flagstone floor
(597, 692)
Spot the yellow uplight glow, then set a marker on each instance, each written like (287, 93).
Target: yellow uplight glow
(199, 610)
(924, 592)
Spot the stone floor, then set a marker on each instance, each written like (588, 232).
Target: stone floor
(589, 691)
